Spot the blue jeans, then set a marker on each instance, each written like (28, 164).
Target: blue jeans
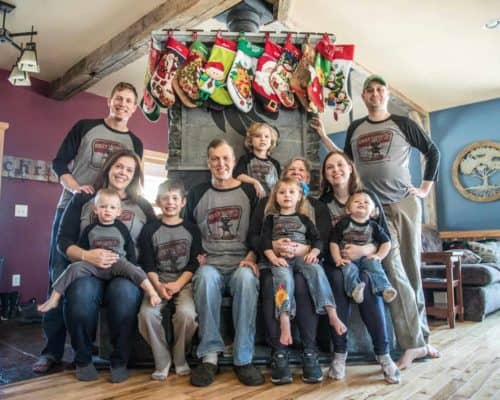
(81, 309)
(53, 324)
(371, 311)
(319, 288)
(210, 284)
(373, 269)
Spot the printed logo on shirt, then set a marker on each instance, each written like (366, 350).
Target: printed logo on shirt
(101, 149)
(224, 222)
(290, 228)
(109, 243)
(374, 146)
(264, 172)
(127, 217)
(171, 253)
(360, 237)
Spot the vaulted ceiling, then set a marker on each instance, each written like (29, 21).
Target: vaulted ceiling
(436, 53)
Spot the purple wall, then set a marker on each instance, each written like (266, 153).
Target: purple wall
(38, 126)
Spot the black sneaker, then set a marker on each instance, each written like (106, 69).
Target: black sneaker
(249, 375)
(280, 370)
(204, 374)
(311, 371)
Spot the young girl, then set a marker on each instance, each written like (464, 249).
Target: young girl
(257, 167)
(286, 217)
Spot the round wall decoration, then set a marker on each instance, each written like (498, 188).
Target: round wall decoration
(476, 171)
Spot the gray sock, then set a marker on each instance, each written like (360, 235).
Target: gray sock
(118, 374)
(210, 358)
(87, 373)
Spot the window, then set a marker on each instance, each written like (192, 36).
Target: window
(154, 163)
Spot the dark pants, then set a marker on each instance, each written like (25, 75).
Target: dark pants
(371, 311)
(53, 324)
(305, 318)
(81, 309)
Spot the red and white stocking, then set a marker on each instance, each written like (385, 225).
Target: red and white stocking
(336, 95)
(266, 64)
(161, 81)
(280, 77)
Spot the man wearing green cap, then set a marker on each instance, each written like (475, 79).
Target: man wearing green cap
(380, 146)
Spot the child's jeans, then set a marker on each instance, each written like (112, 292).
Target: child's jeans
(284, 287)
(374, 270)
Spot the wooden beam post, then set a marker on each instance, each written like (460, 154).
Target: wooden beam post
(3, 127)
(132, 43)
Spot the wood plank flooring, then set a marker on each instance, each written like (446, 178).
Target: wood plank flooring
(469, 369)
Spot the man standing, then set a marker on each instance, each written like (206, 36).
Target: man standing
(221, 209)
(77, 164)
(380, 146)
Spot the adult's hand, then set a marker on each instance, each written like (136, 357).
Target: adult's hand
(248, 263)
(162, 291)
(285, 247)
(354, 252)
(100, 257)
(89, 189)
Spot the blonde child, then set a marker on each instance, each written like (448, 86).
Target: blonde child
(357, 228)
(257, 167)
(286, 217)
(108, 233)
(169, 251)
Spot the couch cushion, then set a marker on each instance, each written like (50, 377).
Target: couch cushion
(472, 274)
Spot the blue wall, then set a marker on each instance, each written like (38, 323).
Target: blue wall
(452, 130)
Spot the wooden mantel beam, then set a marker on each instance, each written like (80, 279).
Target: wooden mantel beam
(133, 42)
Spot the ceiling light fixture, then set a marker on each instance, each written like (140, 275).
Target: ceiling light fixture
(27, 61)
(494, 23)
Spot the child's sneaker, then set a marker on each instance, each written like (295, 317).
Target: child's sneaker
(358, 294)
(311, 371)
(280, 369)
(392, 374)
(337, 366)
(389, 294)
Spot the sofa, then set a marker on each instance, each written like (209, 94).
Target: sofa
(480, 267)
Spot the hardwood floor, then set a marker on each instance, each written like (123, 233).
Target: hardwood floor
(469, 369)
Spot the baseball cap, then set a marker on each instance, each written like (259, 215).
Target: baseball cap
(374, 78)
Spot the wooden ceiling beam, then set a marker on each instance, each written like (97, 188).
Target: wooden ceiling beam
(132, 43)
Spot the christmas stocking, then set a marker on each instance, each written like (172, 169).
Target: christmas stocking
(336, 88)
(301, 75)
(261, 84)
(148, 106)
(239, 81)
(161, 82)
(186, 80)
(280, 77)
(319, 76)
(213, 76)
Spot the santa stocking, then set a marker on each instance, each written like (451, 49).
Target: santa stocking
(261, 84)
(186, 80)
(148, 106)
(280, 77)
(161, 82)
(213, 76)
(336, 88)
(320, 73)
(239, 81)
(301, 75)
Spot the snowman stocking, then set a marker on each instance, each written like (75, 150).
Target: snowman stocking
(301, 75)
(280, 77)
(336, 88)
(161, 82)
(213, 76)
(148, 106)
(239, 81)
(186, 80)
(265, 66)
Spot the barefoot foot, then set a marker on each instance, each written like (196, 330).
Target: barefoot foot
(410, 355)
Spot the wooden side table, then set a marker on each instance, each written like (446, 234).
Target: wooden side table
(452, 283)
